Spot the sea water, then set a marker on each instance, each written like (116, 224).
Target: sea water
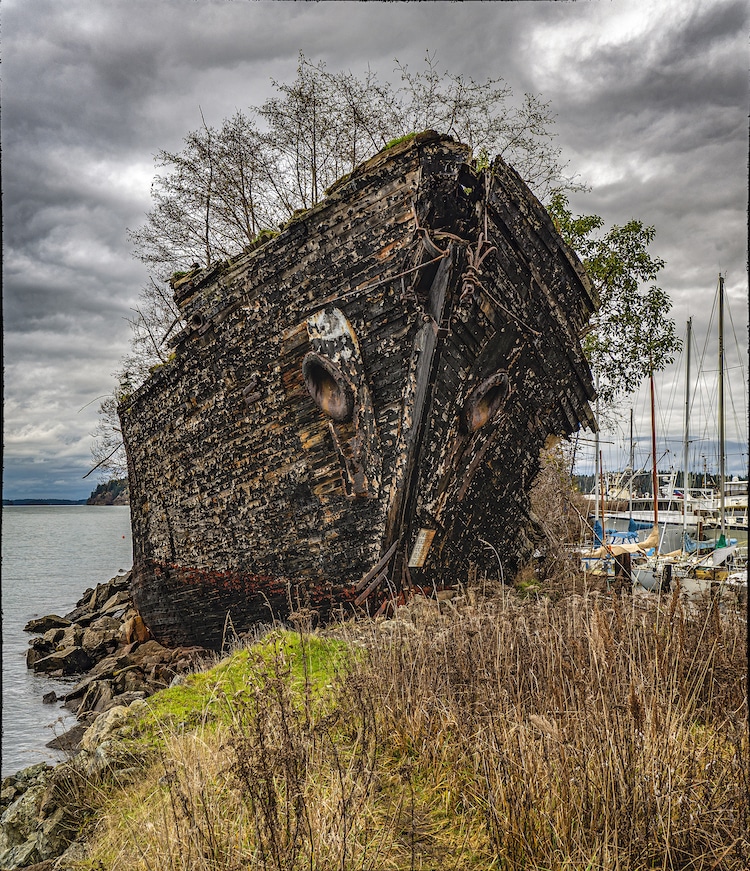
(50, 556)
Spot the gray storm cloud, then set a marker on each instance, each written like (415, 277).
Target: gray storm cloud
(649, 99)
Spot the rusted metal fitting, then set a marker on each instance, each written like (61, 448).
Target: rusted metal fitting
(484, 401)
(328, 387)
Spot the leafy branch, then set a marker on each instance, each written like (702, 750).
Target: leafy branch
(631, 335)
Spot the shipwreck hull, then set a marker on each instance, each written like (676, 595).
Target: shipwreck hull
(359, 404)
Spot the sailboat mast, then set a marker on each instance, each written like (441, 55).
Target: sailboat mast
(655, 474)
(686, 441)
(722, 447)
(603, 491)
(631, 463)
(596, 457)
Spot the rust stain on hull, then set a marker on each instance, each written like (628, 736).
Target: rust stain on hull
(184, 601)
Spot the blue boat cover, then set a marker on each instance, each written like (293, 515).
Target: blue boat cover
(598, 534)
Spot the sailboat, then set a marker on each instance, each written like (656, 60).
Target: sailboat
(685, 509)
(653, 575)
(716, 566)
(696, 572)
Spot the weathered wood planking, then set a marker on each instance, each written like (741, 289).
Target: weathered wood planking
(381, 375)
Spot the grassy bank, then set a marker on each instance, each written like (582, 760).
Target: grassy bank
(589, 733)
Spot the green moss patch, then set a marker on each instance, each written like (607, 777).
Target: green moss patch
(306, 663)
(399, 139)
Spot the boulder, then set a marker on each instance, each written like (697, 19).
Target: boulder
(41, 821)
(105, 668)
(97, 696)
(89, 607)
(72, 857)
(21, 856)
(134, 629)
(104, 592)
(49, 698)
(103, 624)
(68, 660)
(43, 624)
(71, 636)
(53, 635)
(126, 699)
(103, 728)
(132, 680)
(68, 740)
(56, 832)
(115, 602)
(40, 648)
(18, 824)
(100, 596)
(99, 642)
(147, 654)
(85, 597)
(27, 777)
(122, 580)
(42, 644)
(18, 783)
(82, 615)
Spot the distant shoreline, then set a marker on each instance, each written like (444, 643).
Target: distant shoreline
(112, 492)
(11, 502)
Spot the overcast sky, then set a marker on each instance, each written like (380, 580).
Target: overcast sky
(651, 105)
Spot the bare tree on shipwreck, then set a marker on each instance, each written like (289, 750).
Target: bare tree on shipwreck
(359, 404)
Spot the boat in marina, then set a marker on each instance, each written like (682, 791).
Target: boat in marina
(700, 565)
(357, 406)
(697, 513)
(735, 504)
(696, 536)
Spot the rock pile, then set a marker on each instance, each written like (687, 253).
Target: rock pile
(44, 809)
(104, 640)
(20, 800)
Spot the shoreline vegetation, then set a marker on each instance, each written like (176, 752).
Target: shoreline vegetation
(115, 491)
(17, 502)
(503, 727)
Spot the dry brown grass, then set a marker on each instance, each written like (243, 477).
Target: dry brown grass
(589, 733)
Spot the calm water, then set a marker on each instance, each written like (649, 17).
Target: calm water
(50, 555)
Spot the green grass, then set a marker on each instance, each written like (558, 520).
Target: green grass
(262, 237)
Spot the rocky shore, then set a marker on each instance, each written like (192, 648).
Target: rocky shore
(105, 641)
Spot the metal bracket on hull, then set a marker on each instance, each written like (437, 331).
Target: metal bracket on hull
(334, 342)
(416, 404)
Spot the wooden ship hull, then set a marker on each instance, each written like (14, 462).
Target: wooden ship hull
(359, 405)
